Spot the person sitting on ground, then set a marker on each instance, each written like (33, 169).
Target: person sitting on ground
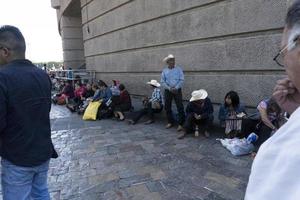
(152, 105)
(199, 113)
(124, 103)
(66, 94)
(105, 96)
(115, 88)
(79, 92)
(104, 92)
(264, 123)
(231, 113)
(90, 94)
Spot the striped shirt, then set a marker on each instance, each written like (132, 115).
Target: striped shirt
(156, 95)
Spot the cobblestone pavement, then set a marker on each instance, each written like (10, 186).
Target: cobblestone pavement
(112, 160)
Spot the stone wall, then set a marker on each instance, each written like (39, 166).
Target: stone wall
(221, 45)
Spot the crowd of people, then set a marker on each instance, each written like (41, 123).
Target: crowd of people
(25, 102)
(196, 118)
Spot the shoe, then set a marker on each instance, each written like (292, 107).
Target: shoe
(179, 128)
(70, 108)
(181, 136)
(169, 125)
(149, 122)
(196, 133)
(131, 122)
(122, 119)
(206, 133)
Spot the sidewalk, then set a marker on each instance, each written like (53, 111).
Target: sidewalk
(112, 160)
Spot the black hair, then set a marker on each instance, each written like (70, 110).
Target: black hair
(13, 39)
(102, 83)
(293, 15)
(95, 85)
(121, 87)
(273, 107)
(69, 81)
(235, 99)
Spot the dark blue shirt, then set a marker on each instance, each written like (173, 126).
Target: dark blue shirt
(206, 110)
(25, 103)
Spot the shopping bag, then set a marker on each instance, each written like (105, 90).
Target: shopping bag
(237, 146)
(90, 112)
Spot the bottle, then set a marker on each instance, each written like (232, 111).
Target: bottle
(252, 137)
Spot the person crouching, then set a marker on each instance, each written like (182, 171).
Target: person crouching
(199, 113)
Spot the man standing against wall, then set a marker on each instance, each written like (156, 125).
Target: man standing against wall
(275, 171)
(172, 79)
(25, 102)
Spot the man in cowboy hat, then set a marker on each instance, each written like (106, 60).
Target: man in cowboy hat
(152, 105)
(199, 114)
(275, 171)
(172, 79)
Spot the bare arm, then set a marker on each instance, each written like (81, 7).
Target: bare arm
(265, 119)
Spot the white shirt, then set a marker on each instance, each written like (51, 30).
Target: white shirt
(275, 173)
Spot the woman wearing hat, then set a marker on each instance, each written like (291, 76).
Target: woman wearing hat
(199, 113)
(152, 105)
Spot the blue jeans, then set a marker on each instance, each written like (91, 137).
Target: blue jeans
(24, 183)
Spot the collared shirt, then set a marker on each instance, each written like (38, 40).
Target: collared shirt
(172, 78)
(275, 171)
(25, 103)
(156, 95)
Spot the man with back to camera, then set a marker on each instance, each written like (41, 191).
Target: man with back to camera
(25, 103)
(275, 172)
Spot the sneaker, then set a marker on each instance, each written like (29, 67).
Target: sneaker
(196, 131)
(179, 128)
(206, 133)
(131, 122)
(149, 122)
(181, 136)
(169, 125)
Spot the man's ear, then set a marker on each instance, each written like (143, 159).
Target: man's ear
(5, 52)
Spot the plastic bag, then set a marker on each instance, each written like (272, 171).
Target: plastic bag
(91, 111)
(237, 146)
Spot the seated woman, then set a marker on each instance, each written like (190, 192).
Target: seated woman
(264, 123)
(66, 94)
(230, 114)
(151, 106)
(104, 93)
(80, 92)
(115, 88)
(123, 104)
(199, 113)
(90, 94)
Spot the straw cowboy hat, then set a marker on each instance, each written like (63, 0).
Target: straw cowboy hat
(198, 95)
(170, 56)
(154, 83)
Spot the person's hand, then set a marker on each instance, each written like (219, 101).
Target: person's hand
(197, 116)
(174, 90)
(286, 95)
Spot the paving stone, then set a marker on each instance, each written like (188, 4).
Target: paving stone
(155, 186)
(111, 160)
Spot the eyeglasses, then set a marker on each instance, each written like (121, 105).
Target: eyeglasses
(280, 55)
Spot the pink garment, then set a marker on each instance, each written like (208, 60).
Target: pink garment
(80, 91)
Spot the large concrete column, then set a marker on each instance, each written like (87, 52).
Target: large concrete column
(70, 28)
(71, 33)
